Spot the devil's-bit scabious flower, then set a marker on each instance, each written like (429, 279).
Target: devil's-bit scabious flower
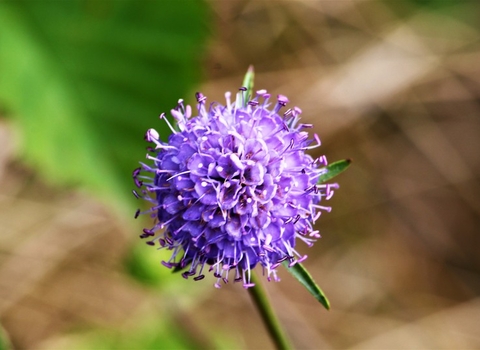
(233, 187)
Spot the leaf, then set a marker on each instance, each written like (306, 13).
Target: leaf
(334, 169)
(84, 80)
(304, 277)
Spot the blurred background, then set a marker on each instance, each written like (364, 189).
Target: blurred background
(395, 85)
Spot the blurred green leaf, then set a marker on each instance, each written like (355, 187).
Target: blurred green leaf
(155, 334)
(86, 79)
(333, 169)
(4, 342)
(304, 277)
(143, 264)
(164, 326)
(433, 4)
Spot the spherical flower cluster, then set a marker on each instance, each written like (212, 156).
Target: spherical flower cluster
(233, 187)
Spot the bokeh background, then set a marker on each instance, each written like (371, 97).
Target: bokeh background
(395, 85)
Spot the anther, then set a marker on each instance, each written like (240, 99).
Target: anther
(166, 264)
(282, 100)
(296, 219)
(151, 135)
(148, 232)
(201, 98)
(136, 172)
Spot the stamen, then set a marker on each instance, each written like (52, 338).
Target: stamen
(178, 174)
(162, 116)
(319, 143)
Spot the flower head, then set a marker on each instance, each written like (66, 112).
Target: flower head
(233, 187)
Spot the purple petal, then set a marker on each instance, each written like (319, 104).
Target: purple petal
(207, 193)
(234, 228)
(253, 173)
(256, 149)
(229, 194)
(185, 152)
(267, 191)
(194, 212)
(172, 205)
(198, 164)
(229, 166)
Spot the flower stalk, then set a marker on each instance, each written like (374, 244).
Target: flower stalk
(260, 299)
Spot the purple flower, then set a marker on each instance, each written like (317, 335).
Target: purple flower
(233, 188)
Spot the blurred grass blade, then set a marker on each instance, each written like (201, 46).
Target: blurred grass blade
(85, 80)
(334, 169)
(304, 277)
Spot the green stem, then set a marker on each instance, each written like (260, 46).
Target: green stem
(261, 301)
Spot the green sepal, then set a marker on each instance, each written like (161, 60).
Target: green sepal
(304, 277)
(248, 82)
(334, 169)
(244, 96)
